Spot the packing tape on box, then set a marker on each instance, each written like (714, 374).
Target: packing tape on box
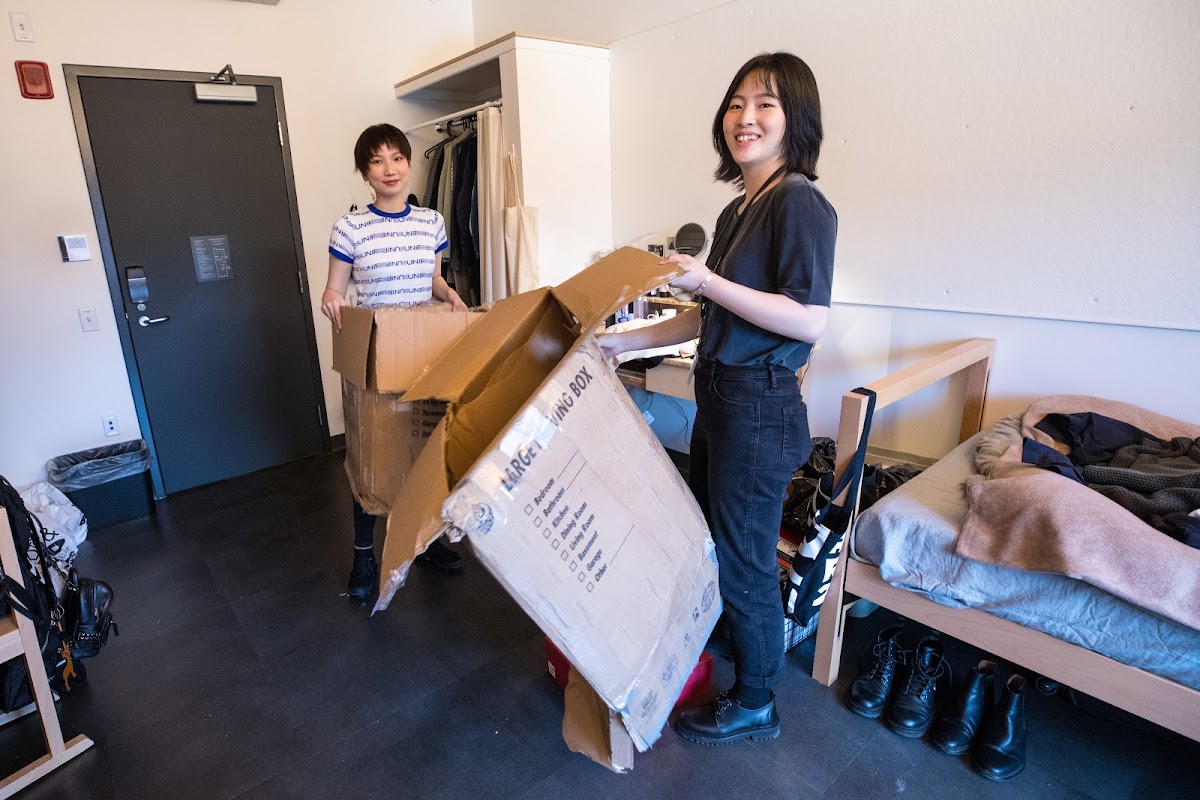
(470, 517)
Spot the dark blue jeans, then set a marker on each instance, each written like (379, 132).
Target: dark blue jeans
(750, 437)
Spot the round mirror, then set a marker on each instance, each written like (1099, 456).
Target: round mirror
(690, 240)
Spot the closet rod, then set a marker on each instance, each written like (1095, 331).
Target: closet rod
(456, 115)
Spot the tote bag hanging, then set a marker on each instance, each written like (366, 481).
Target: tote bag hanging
(808, 583)
(520, 233)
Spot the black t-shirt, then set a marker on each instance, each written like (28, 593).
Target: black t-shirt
(783, 246)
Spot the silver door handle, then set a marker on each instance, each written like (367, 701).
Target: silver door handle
(144, 320)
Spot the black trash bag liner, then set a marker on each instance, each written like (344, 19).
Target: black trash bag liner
(89, 468)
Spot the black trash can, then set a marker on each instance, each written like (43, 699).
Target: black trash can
(109, 484)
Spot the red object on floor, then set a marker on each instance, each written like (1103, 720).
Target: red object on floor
(699, 685)
(557, 664)
(697, 688)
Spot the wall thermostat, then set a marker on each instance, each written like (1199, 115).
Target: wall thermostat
(74, 248)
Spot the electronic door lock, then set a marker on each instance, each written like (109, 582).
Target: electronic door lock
(139, 292)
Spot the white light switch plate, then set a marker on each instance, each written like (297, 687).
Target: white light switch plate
(22, 26)
(88, 321)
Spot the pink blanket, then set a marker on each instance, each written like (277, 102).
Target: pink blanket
(1032, 519)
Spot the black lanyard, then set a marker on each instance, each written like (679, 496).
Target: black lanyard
(729, 240)
(740, 218)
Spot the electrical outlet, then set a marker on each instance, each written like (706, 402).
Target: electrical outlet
(111, 428)
(88, 321)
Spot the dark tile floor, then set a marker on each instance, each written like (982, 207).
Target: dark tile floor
(243, 671)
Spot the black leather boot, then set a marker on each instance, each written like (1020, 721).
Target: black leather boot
(725, 721)
(999, 751)
(870, 692)
(955, 730)
(442, 557)
(911, 711)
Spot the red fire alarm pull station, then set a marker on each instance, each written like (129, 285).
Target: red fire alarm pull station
(34, 78)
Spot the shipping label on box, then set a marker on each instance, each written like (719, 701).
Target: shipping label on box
(583, 518)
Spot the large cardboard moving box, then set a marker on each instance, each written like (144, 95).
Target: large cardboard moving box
(380, 352)
(545, 463)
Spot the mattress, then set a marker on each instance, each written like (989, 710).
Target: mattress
(910, 536)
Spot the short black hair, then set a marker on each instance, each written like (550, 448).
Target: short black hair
(790, 79)
(372, 139)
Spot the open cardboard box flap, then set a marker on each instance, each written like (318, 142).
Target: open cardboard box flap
(482, 346)
(352, 345)
(590, 297)
(386, 349)
(590, 728)
(617, 279)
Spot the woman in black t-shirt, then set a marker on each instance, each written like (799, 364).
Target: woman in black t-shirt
(764, 299)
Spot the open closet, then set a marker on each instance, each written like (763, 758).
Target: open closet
(537, 112)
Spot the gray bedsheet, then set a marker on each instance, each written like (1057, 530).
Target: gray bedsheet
(910, 535)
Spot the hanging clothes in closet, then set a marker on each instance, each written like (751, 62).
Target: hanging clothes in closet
(464, 259)
(450, 185)
(465, 181)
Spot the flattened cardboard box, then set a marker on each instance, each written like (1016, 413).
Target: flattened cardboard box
(380, 352)
(545, 463)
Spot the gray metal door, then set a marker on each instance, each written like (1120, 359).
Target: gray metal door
(197, 218)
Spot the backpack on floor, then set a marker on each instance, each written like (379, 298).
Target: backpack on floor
(33, 596)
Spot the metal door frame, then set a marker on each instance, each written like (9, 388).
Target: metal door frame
(72, 73)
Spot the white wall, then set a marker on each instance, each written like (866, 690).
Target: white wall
(1020, 156)
(1065, 189)
(971, 149)
(580, 21)
(338, 63)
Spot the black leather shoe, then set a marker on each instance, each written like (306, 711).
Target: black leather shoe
(999, 751)
(911, 711)
(364, 575)
(955, 730)
(724, 721)
(870, 692)
(442, 557)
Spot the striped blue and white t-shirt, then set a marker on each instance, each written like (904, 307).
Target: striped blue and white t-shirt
(392, 255)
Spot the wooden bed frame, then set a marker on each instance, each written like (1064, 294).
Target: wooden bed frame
(1161, 701)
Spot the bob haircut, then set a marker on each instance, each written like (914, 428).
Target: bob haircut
(372, 139)
(790, 79)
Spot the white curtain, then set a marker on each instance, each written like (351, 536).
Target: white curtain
(493, 280)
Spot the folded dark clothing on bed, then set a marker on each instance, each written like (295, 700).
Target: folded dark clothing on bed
(1093, 438)
(1155, 479)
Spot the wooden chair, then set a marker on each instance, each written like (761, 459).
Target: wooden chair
(18, 639)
